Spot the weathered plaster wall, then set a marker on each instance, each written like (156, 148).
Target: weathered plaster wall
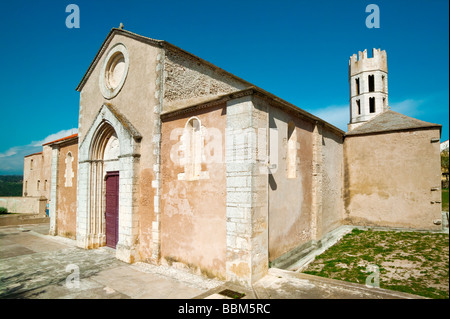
(32, 169)
(290, 199)
(390, 177)
(332, 180)
(187, 81)
(139, 102)
(39, 172)
(136, 100)
(66, 206)
(46, 171)
(193, 216)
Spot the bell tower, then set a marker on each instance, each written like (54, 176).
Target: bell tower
(368, 86)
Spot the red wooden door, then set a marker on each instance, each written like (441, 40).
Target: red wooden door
(112, 209)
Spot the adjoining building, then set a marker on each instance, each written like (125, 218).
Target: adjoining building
(182, 162)
(38, 173)
(63, 192)
(392, 173)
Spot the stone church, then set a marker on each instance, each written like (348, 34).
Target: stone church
(182, 162)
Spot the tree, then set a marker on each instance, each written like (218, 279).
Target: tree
(444, 166)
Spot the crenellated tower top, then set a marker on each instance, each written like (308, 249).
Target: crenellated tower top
(361, 63)
(368, 86)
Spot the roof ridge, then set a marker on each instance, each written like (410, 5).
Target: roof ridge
(33, 154)
(161, 43)
(373, 118)
(61, 139)
(397, 122)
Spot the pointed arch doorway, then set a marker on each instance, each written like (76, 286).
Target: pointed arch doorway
(111, 144)
(105, 166)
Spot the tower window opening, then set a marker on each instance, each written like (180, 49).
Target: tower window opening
(371, 83)
(357, 86)
(383, 79)
(371, 104)
(358, 105)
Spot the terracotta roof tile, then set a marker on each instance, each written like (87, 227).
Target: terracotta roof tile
(33, 154)
(62, 139)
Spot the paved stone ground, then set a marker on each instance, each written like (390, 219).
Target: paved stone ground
(33, 265)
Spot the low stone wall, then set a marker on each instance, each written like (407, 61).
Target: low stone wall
(24, 205)
(22, 219)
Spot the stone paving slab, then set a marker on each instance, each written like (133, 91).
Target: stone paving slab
(33, 265)
(285, 284)
(124, 279)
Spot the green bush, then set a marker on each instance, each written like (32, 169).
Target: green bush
(3, 210)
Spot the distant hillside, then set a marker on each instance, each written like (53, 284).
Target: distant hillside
(11, 185)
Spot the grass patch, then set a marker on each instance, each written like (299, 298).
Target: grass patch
(412, 262)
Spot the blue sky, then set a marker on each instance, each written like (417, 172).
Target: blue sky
(297, 50)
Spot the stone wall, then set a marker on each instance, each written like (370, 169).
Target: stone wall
(193, 208)
(188, 82)
(290, 196)
(24, 205)
(393, 180)
(36, 174)
(247, 183)
(66, 205)
(137, 105)
(332, 180)
(306, 203)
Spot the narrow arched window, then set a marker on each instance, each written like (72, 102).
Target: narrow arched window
(193, 149)
(68, 173)
(291, 151)
(371, 83)
(371, 104)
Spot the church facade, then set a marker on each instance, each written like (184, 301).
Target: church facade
(182, 162)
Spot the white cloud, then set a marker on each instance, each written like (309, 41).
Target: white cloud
(337, 115)
(10, 152)
(407, 107)
(11, 161)
(55, 136)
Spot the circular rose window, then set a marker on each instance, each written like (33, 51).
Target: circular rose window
(114, 71)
